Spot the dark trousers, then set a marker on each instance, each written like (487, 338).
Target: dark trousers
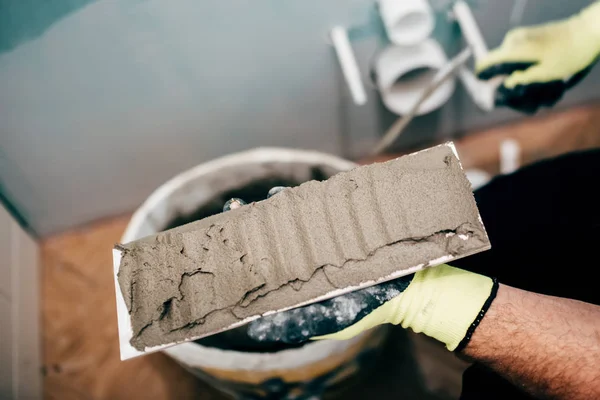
(544, 225)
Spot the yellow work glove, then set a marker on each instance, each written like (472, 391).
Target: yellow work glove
(443, 302)
(543, 61)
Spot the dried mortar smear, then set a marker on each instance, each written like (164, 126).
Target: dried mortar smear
(305, 242)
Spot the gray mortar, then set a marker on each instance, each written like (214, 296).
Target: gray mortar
(307, 241)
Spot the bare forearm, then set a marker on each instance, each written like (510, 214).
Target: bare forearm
(546, 345)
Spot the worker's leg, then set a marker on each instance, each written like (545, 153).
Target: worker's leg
(544, 225)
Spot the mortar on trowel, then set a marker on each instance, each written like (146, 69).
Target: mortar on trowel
(433, 201)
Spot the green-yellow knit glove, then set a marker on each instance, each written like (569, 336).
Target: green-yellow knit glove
(442, 302)
(543, 61)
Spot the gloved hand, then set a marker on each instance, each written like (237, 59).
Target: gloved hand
(543, 61)
(442, 302)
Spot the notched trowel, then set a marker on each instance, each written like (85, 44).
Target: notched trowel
(309, 243)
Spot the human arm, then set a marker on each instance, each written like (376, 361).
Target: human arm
(548, 346)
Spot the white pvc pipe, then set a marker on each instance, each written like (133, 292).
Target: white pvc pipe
(510, 156)
(482, 92)
(348, 64)
(470, 29)
(406, 22)
(398, 85)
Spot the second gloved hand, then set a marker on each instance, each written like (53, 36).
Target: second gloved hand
(442, 302)
(544, 61)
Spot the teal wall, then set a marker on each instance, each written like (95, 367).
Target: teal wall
(100, 102)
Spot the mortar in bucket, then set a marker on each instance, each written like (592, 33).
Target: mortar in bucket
(231, 361)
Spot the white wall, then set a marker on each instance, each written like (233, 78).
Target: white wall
(20, 354)
(115, 97)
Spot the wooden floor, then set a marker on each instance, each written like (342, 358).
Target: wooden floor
(81, 357)
(81, 350)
